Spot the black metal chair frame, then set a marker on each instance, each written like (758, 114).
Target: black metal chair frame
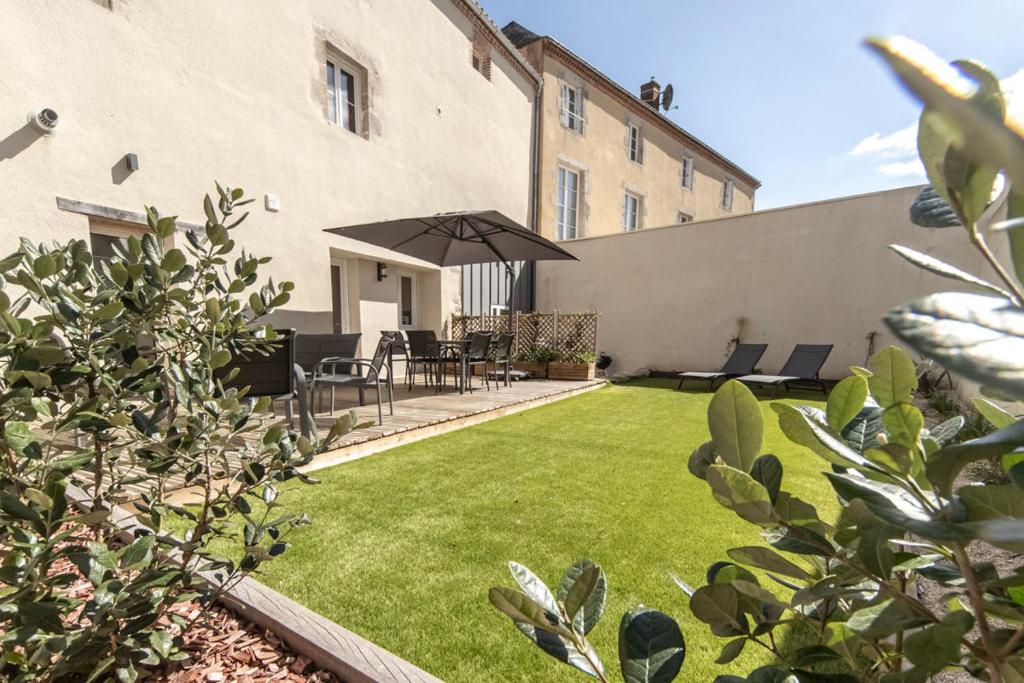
(425, 361)
(501, 347)
(797, 369)
(285, 386)
(742, 361)
(398, 346)
(375, 367)
(477, 356)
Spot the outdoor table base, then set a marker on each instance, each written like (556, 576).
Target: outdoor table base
(455, 346)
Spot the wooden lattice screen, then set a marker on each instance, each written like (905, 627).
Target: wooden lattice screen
(566, 333)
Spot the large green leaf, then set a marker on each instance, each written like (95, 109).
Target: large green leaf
(945, 432)
(651, 647)
(767, 471)
(943, 269)
(998, 417)
(739, 492)
(995, 502)
(863, 430)
(717, 606)
(593, 607)
(587, 586)
(769, 560)
(930, 210)
(938, 645)
(989, 140)
(894, 377)
(808, 432)
(734, 418)
(702, 457)
(885, 618)
(904, 423)
(945, 464)
(845, 401)
(980, 337)
(521, 608)
(894, 505)
(560, 648)
(536, 589)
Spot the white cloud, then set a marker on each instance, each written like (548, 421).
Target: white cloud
(899, 144)
(899, 148)
(897, 169)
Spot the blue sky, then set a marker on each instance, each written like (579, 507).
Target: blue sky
(783, 87)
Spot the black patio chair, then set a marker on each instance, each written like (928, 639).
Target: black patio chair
(330, 372)
(479, 345)
(743, 361)
(310, 349)
(399, 348)
(274, 374)
(423, 354)
(803, 367)
(501, 355)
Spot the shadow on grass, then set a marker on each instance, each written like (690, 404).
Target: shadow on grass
(666, 383)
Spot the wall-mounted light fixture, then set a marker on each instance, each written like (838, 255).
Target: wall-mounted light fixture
(131, 162)
(382, 271)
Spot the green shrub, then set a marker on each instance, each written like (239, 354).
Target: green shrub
(904, 515)
(107, 383)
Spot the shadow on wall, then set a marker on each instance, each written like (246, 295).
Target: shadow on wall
(310, 322)
(17, 142)
(120, 171)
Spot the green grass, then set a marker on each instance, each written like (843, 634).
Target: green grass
(405, 544)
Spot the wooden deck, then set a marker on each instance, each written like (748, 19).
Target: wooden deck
(422, 413)
(419, 414)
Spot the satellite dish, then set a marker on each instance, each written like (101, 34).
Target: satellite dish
(666, 97)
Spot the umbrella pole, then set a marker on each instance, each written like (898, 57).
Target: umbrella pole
(511, 293)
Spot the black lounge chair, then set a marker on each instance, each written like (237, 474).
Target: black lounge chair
(803, 367)
(743, 361)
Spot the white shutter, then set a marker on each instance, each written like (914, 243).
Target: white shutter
(625, 211)
(581, 108)
(563, 98)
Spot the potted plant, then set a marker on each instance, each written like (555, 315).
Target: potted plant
(535, 360)
(578, 366)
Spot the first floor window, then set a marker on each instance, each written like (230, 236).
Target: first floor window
(727, 188)
(688, 172)
(567, 206)
(636, 144)
(341, 96)
(630, 212)
(106, 236)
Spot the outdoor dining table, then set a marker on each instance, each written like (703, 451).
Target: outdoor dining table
(459, 347)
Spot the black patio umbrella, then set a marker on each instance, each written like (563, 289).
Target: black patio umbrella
(460, 238)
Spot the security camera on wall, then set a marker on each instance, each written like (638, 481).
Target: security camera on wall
(44, 120)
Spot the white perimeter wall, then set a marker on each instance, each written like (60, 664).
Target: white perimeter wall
(672, 298)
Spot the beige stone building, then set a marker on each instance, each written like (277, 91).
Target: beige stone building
(610, 161)
(328, 112)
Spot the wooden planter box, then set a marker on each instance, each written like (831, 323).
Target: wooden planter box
(537, 370)
(573, 371)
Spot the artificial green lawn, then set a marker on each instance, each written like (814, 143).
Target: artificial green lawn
(405, 544)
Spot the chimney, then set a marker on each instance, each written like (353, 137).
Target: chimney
(650, 93)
